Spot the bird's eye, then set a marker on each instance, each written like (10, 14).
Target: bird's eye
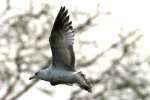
(36, 73)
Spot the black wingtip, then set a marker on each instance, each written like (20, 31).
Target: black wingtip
(63, 8)
(62, 13)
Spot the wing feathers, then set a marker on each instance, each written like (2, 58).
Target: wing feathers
(61, 41)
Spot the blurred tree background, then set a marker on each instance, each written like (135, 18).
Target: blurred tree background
(118, 70)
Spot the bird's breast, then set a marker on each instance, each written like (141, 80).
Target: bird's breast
(62, 76)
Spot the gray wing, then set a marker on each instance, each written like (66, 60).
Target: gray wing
(61, 41)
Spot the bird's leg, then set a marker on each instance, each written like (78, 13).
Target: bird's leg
(54, 83)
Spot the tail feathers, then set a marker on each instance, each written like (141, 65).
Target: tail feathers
(84, 83)
(86, 87)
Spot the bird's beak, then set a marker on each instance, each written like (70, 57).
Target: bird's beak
(32, 77)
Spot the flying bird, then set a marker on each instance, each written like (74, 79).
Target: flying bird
(62, 70)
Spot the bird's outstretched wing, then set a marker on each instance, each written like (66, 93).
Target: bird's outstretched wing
(61, 41)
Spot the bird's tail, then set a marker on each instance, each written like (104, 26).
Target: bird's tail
(83, 82)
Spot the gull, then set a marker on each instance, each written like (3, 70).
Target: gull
(62, 70)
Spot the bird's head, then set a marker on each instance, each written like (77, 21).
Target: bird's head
(35, 76)
(41, 74)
